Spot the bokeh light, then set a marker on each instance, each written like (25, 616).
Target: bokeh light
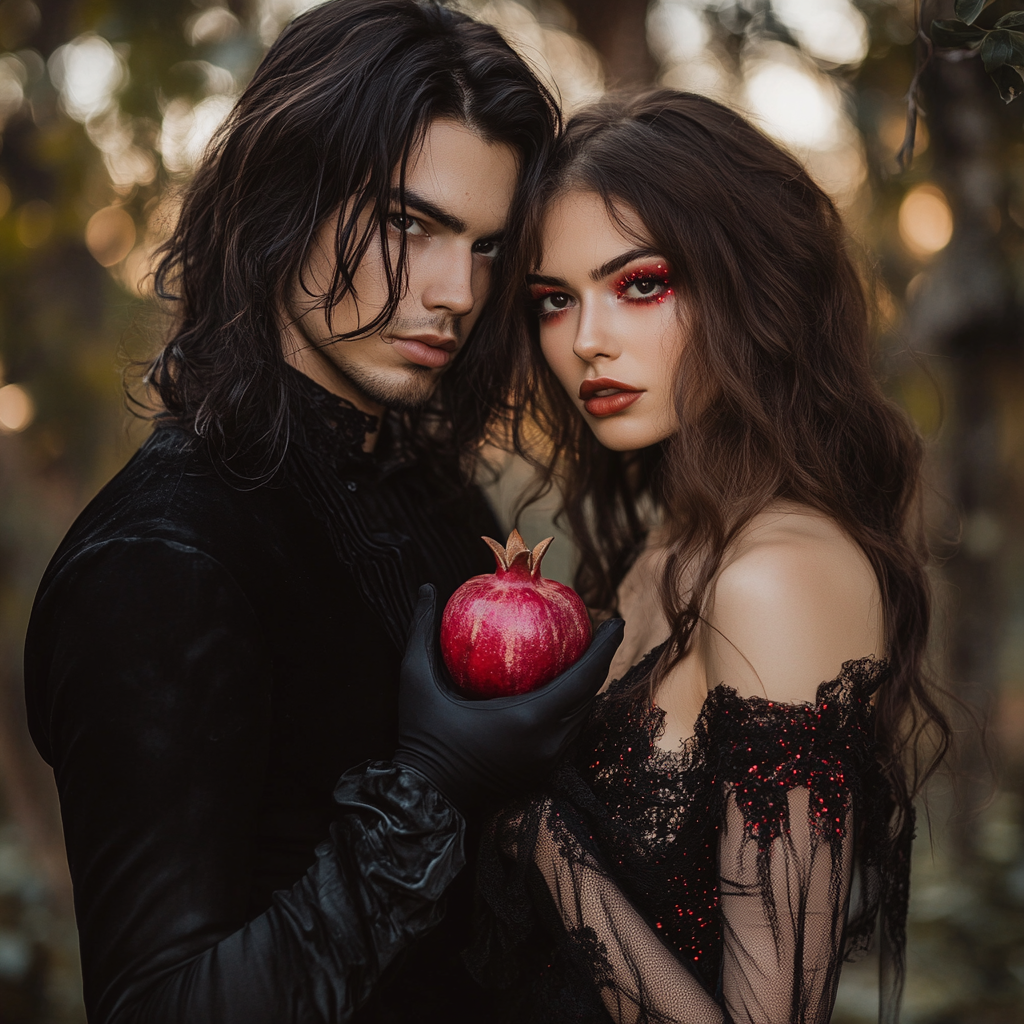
(676, 32)
(110, 235)
(834, 31)
(794, 104)
(17, 409)
(213, 25)
(34, 223)
(679, 37)
(113, 134)
(925, 221)
(88, 73)
(785, 90)
(13, 77)
(275, 14)
(187, 130)
(564, 61)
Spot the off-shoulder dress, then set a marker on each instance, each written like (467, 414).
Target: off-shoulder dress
(722, 883)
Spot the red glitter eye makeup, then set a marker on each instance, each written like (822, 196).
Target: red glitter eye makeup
(648, 283)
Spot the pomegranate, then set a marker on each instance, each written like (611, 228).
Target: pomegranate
(515, 630)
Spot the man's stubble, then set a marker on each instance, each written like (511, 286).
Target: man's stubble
(403, 390)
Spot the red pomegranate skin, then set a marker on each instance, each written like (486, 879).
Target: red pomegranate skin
(513, 631)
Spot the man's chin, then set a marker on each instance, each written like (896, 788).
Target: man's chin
(404, 390)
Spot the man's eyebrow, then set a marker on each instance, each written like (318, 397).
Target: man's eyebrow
(418, 202)
(619, 262)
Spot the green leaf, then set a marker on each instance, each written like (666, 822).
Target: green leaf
(1002, 47)
(1009, 82)
(1011, 20)
(968, 10)
(955, 34)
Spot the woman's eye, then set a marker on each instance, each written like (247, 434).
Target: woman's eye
(486, 248)
(406, 224)
(553, 302)
(644, 288)
(645, 284)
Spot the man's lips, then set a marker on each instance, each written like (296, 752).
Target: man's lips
(603, 396)
(430, 350)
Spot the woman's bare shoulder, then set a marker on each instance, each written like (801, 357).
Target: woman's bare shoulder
(795, 598)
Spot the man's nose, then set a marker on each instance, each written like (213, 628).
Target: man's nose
(448, 284)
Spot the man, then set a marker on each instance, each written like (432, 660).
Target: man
(220, 636)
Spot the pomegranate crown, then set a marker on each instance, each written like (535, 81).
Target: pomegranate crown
(516, 556)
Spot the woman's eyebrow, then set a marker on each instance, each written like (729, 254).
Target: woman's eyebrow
(618, 262)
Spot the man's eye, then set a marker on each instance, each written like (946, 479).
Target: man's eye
(406, 224)
(486, 248)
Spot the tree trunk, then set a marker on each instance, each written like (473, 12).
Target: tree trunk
(967, 312)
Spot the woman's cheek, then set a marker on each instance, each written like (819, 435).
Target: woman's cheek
(559, 356)
(669, 354)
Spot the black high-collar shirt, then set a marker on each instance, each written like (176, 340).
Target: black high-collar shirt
(204, 661)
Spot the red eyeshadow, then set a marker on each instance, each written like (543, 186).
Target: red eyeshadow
(652, 272)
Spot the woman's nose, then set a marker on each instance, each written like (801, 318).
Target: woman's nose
(594, 335)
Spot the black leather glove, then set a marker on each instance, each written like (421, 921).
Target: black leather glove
(473, 750)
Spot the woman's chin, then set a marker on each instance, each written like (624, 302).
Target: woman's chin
(620, 434)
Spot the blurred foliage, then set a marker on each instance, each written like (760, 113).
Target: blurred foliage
(1000, 47)
(104, 108)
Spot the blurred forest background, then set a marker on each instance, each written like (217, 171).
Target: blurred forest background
(105, 107)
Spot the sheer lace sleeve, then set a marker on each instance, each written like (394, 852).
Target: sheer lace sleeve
(785, 867)
(712, 885)
(637, 977)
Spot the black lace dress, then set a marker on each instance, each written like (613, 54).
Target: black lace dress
(723, 882)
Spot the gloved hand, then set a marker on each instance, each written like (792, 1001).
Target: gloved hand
(472, 750)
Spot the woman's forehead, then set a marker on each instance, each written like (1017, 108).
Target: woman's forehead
(580, 232)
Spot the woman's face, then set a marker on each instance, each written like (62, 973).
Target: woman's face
(609, 321)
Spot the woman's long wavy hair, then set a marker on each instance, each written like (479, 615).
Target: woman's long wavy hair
(775, 392)
(339, 103)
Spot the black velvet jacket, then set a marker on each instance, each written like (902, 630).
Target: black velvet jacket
(204, 662)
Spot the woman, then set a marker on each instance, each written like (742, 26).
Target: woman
(731, 827)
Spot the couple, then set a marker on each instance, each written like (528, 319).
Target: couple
(391, 250)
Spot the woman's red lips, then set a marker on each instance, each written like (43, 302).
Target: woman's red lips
(592, 386)
(603, 396)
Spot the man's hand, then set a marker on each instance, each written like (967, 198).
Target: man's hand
(473, 750)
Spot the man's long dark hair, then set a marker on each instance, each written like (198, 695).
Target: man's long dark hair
(340, 101)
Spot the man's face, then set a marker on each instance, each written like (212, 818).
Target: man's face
(458, 189)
